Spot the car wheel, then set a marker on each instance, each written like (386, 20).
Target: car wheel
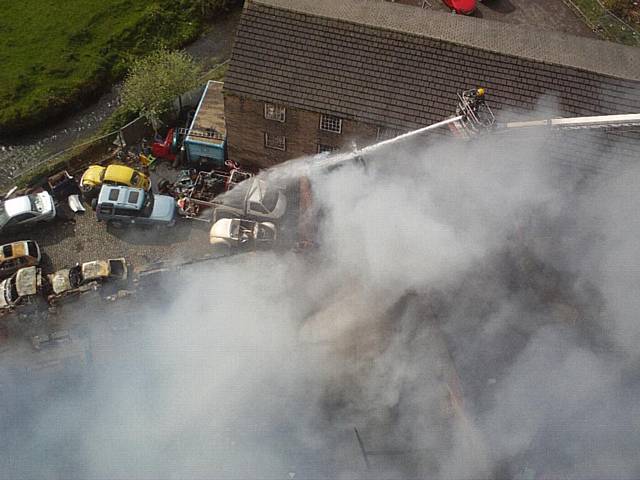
(88, 191)
(164, 185)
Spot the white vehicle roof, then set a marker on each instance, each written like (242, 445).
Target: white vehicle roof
(17, 206)
(223, 228)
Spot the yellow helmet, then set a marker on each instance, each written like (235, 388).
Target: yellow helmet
(480, 92)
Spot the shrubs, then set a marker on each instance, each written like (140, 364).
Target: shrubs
(153, 82)
(623, 8)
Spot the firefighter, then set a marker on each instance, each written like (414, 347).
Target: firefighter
(480, 109)
(477, 100)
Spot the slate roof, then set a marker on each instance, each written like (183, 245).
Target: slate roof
(398, 66)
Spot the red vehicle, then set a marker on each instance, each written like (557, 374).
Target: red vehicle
(166, 148)
(464, 7)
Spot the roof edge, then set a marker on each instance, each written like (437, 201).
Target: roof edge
(556, 48)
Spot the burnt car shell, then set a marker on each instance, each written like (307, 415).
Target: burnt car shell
(24, 283)
(86, 274)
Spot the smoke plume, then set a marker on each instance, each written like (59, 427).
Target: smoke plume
(470, 309)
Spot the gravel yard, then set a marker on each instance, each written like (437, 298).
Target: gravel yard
(83, 239)
(65, 242)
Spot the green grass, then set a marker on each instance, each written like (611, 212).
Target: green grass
(55, 53)
(606, 24)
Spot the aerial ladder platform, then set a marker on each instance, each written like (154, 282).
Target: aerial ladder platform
(474, 117)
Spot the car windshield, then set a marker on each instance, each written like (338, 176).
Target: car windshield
(147, 206)
(75, 276)
(32, 248)
(11, 291)
(270, 199)
(263, 195)
(234, 229)
(36, 203)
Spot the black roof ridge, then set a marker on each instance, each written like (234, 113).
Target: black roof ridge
(516, 41)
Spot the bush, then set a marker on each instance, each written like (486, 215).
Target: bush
(619, 7)
(207, 9)
(153, 82)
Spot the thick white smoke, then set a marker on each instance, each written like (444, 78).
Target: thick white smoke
(470, 310)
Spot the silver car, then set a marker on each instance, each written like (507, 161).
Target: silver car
(253, 199)
(26, 210)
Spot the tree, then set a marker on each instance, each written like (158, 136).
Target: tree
(210, 8)
(153, 82)
(619, 7)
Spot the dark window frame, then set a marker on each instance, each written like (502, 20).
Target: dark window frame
(111, 194)
(322, 148)
(270, 141)
(330, 123)
(275, 112)
(386, 133)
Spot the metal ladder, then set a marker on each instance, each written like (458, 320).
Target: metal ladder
(194, 132)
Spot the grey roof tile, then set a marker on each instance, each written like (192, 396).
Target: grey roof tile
(395, 71)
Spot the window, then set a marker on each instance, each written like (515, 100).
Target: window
(385, 133)
(8, 265)
(32, 249)
(275, 112)
(114, 193)
(257, 207)
(270, 199)
(277, 142)
(133, 197)
(326, 148)
(329, 123)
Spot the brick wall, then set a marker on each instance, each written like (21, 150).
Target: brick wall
(246, 127)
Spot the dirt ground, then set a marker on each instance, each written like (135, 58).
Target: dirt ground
(82, 238)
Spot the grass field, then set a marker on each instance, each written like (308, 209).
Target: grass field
(54, 53)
